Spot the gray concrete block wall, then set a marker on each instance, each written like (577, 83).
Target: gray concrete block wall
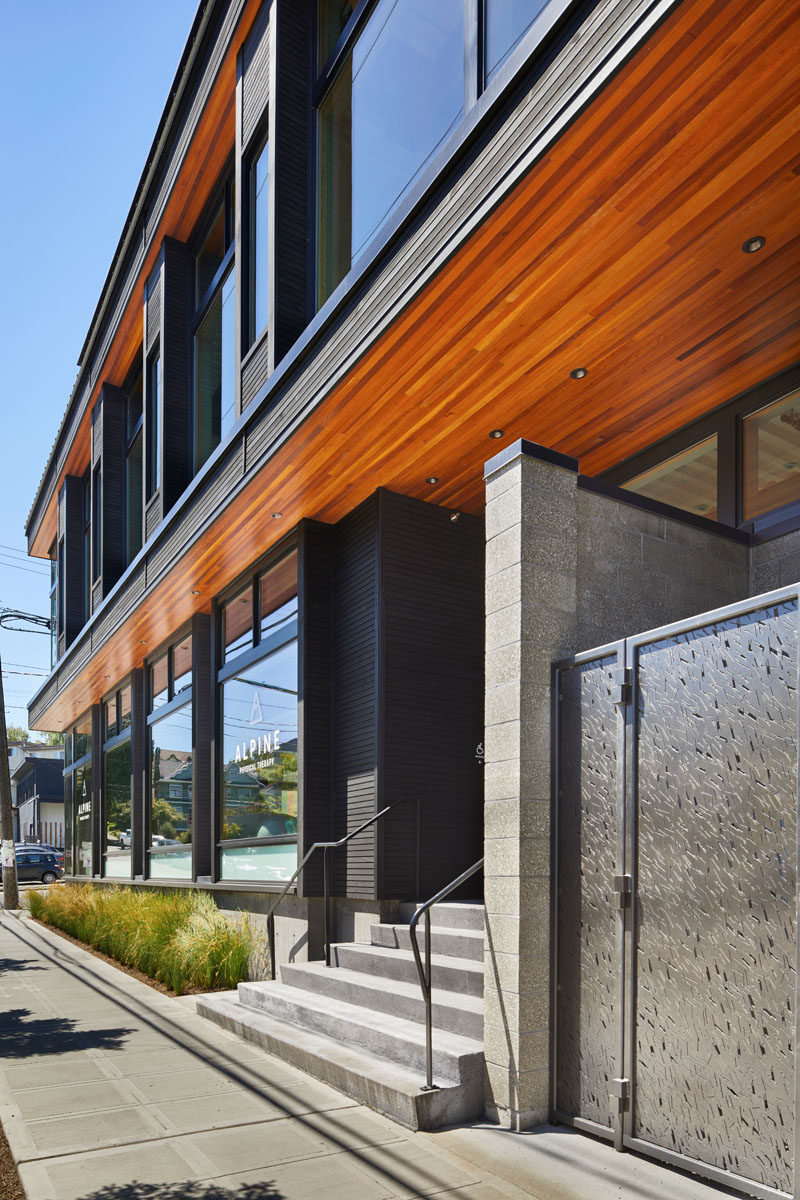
(566, 569)
(775, 563)
(638, 570)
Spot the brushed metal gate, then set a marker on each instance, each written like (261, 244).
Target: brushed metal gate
(675, 1014)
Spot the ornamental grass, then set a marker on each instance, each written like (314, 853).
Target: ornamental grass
(179, 938)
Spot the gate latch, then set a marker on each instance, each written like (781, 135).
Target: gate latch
(621, 686)
(622, 886)
(619, 1094)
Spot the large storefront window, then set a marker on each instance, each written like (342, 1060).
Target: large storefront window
(78, 799)
(258, 700)
(395, 97)
(170, 763)
(117, 785)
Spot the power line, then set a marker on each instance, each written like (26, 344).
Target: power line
(28, 570)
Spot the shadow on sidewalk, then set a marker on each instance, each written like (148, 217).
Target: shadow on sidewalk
(21, 1038)
(185, 1191)
(19, 964)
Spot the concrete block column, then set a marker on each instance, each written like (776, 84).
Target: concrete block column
(531, 571)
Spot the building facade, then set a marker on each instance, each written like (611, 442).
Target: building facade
(442, 342)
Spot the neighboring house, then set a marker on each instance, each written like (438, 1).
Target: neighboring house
(18, 752)
(443, 342)
(39, 784)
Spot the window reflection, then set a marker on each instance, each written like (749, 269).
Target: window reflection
(507, 21)
(259, 775)
(687, 480)
(771, 457)
(170, 795)
(397, 95)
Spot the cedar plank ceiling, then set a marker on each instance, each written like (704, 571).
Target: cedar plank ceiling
(619, 251)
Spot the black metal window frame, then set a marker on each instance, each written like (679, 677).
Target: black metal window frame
(54, 606)
(153, 402)
(86, 546)
(257, 143)
(97, 522)
(476, 84)
(71, 766)
(726, 423)
(175, 702)
(259, 649)
(108, 744)
(130, 436)
(221, 197)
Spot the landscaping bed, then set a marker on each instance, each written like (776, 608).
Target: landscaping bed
(179, 939)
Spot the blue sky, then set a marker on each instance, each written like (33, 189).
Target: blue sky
(82, 86)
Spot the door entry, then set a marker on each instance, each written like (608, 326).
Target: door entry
(676, 933)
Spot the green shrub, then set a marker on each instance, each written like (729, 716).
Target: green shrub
(179, 938)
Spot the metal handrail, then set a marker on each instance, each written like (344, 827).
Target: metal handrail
(325, 847)
(425, 973)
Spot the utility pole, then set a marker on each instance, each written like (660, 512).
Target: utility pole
(9, 858)
(10, 619)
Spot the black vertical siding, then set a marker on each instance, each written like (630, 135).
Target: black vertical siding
(138, 769)
(112, 554)
(71, 499)
(432, 669)
(291, 126)
(355, 678)
(175, 359)
(314, 695)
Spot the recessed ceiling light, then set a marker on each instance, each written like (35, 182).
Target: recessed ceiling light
(142, 642)
(496, 433)
(753, 244)
(276, 516)
(455, 516)
(432, 479)
(195, 591)
(579, 373)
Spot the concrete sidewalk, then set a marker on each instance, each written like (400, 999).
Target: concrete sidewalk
(111, 1091)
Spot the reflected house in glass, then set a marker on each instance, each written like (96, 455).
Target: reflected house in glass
(443, 341)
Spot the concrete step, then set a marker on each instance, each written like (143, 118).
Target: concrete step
(452, 974)
(449, 943)
(451, 915)
(381, 1034)
(454, 1012)
(384, 1086)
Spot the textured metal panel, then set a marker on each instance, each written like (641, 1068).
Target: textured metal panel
(717, 835)
(588, 786)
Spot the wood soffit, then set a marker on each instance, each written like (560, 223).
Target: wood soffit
(205, 159)
(620, 251)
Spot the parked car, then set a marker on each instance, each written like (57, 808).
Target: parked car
(35, 863)
(125, 839)
(159, 840)
(41, 846)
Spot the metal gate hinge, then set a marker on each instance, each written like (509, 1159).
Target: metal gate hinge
(619, 1093)
(621, 686)
(623, 885)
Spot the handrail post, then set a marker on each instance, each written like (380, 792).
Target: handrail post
(428, 1005)
(271, 938)
(327, 880)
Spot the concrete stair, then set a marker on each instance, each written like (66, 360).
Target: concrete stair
(359, 1024)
